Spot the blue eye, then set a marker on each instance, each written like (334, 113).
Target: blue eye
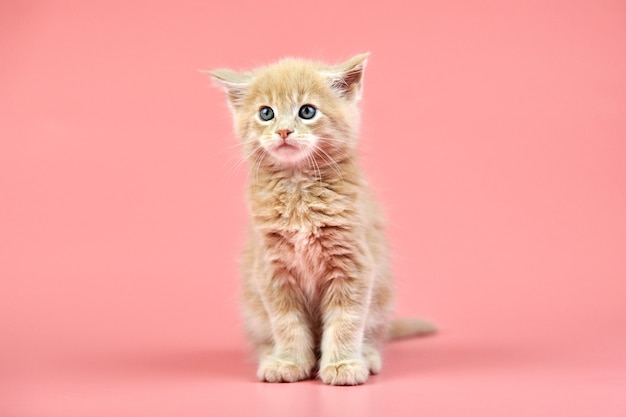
(307, 111)
(266, 113)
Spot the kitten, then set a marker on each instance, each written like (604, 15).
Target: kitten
(317, 285)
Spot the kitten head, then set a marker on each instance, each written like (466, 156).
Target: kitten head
(296, 113)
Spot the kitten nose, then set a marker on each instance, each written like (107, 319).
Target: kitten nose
(284, 133)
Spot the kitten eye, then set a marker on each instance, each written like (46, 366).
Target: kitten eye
(307, 111)
(266, 113)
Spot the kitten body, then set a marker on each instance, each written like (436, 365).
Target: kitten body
(317, 285)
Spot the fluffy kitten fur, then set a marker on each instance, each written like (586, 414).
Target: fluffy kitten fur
(317, 285)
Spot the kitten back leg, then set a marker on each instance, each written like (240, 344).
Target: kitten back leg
(371, 353)
(377, 325)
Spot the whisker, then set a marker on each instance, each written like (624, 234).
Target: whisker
(257, 166)
(316, 167)
(331, 162)
(231, 165)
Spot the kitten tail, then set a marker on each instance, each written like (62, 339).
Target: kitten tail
(403, 328)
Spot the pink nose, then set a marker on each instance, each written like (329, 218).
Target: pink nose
(284, 133)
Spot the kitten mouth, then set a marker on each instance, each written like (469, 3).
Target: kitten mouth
(287, 152)
(287, 147)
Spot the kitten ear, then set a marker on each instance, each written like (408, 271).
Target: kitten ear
(347, 79)
(234, 83)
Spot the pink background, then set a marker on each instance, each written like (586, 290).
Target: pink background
(495, 133)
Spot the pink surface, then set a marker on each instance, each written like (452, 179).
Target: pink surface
(495, 132)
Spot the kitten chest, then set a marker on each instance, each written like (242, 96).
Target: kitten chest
(303, 228)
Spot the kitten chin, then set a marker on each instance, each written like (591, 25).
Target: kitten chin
(317, 283)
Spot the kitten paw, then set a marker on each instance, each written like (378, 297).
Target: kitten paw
(348, 372)
(273, 369)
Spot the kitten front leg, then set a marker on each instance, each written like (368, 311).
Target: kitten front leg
(345, 307)
(292, 357)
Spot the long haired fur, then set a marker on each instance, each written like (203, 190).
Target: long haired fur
(317, 285)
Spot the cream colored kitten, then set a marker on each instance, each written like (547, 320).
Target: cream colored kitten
(317, 286)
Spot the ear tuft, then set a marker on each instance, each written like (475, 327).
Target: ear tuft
(347, 79)
(234, 83)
